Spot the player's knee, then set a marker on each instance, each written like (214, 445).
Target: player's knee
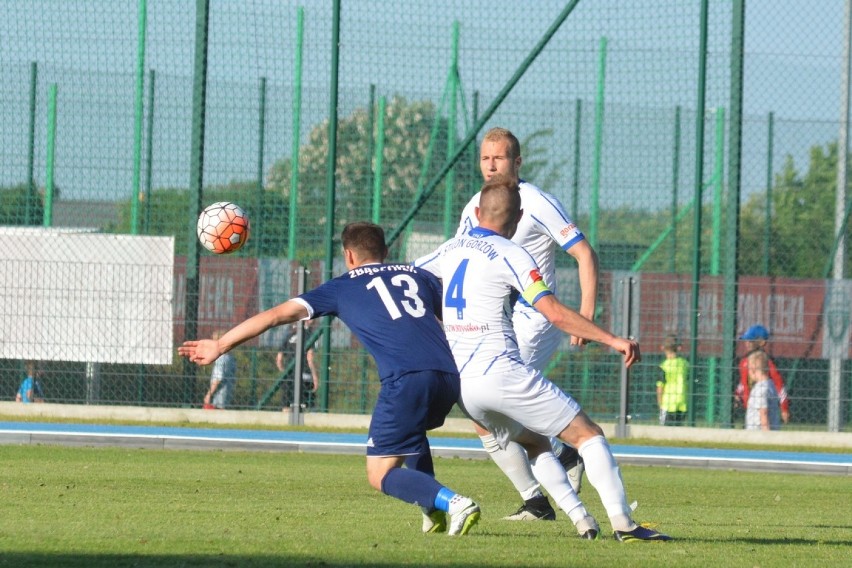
(580, 430)
(489, 442)
(376, 473)
(375, 479)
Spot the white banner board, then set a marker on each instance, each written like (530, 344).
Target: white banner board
(67, 295)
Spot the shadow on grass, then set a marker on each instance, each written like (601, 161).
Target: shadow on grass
(778, 541)
(82, 560)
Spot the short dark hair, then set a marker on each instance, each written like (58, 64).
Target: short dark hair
(368, 239)
(671, 342)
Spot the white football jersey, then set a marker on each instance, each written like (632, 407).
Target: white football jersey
(480, 270)
(543, 226)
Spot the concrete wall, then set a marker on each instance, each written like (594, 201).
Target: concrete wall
(10, 411)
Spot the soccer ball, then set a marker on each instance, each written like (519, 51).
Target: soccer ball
(223, 227)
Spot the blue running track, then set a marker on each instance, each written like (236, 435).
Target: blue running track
(278, 440)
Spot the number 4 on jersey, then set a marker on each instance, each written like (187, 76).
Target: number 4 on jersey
(455, 290)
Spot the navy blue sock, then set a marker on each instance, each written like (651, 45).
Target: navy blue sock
(411, 486)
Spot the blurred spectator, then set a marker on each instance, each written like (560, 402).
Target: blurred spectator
(30, 389)
(223, 380)
(672, 387)
(755, 339)
(310, 374)
(763, 410)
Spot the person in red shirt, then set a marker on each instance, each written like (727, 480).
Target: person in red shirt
(755, 339)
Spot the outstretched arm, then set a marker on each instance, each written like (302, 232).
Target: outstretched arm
(587, 266)
(205, 351)
(576, 325)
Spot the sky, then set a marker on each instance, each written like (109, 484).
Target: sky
(794, 54)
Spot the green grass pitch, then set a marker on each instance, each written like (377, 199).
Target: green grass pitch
(90, 507)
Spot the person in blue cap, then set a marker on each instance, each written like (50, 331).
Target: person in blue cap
(755, 339)
(30, 388)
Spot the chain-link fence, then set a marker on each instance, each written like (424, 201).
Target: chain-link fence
(647, 119)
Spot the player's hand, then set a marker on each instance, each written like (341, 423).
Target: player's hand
(629, 348)
(201, 352)
(578, 341)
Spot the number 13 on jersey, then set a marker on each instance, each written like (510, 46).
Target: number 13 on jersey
(412, 303)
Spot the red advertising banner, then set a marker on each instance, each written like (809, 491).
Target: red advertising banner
(807, 318)
(227, 293)
(791, 309)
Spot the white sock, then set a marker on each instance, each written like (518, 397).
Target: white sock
(605, 477)
(515, 464)
(550, 472)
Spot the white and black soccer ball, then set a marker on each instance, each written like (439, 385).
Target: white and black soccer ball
(223, 227)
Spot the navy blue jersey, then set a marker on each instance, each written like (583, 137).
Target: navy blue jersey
(393, 310)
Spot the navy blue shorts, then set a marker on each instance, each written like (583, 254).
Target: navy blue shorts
(406, 408)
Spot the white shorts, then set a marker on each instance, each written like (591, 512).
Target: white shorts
(538, 339)
(506, 404)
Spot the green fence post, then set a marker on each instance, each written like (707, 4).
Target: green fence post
(575, 183)
(767, 224)
(31, 188)
(715, 257)
(375, 158)
(718, 167)
(596, 165)
(675, 184)
(142, 370)
(379, 161)
(731, 270)
(257, 222)
(196, 177)
(699, 182)
(149, 151)
(330, 195)
(452, 85)
(51, 152)
(261, 209)
(371, 142)
(137, 122)
(295, 137)
(475, 177)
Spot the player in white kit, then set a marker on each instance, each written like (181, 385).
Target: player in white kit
(544, 230)
(481, 271)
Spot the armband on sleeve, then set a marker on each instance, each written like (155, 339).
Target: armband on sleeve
(535, 292)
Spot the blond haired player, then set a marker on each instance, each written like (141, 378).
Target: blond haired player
(480, 272)
(544, 229)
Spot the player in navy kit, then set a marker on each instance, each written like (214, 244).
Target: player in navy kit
(392, 309)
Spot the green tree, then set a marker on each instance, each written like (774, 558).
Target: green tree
(408, 127)
(802, 233)
(19, 207)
